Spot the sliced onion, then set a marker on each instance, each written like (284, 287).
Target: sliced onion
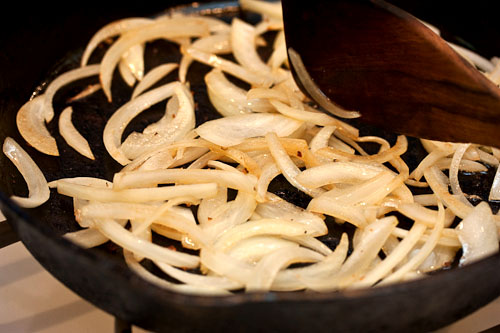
(259, 227)
(152, 77)
(244, 49)
(38, 189)
(322, 138)
(110, 30)
(142, 272)
(316, 118)
(423, 253)
(136, 194)
(453, 174)
(230, 67)
(269, 266)
(72, 136)
(252, 249)
(208, 206)
(119, 235)
(338, 172)
(231, 214)
(271, 9)
(478, 234)
(230, 131)
(31, 124)
(175, 124)
(495, 187)
(62, 80)
(281, 209)
(197, 279)
(291, 279)
(123, 116)
(279, 55)
(286, 165)
(163, 28)
(216, 44)
(225, 265)
(133, 58)
(88, 238)
(374, 237)
(126, 74)
(398, 149)
(325, 205)
(397, 255)
(227, 98)
(89, 90)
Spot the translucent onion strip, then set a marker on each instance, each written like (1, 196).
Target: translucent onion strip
(230, 131)
(197, 279)
(259, 227)
(38, 189)
(133, 58)
(119, 235)
(225, 96)
(495, 187)
(316, 118)
(292, 278)
(374, 237)
(230, 67)
(338, 172)
(478, 234)
(244, 48)
(123, 116)
(453, 174)
(394, 258)
(136, 194)
(269, 266)
(110, 30)
(270, 9)
(423, 252)
(152, 77)
(286, 165)
(72, 136)
(239, 181)
(216, 44)
(89, 238)
(174, 125)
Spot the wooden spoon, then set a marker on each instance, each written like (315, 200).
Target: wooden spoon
(370, 56)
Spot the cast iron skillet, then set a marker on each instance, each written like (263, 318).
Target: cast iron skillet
(31, 57)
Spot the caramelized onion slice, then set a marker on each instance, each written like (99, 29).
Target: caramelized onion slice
(31, 125)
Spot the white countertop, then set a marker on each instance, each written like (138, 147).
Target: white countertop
(31, 300)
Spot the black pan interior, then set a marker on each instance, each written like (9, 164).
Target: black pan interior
(105, 280)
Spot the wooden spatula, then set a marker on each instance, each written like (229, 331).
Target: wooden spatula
(372, 57)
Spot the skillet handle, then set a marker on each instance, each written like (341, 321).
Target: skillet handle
(7, 234)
